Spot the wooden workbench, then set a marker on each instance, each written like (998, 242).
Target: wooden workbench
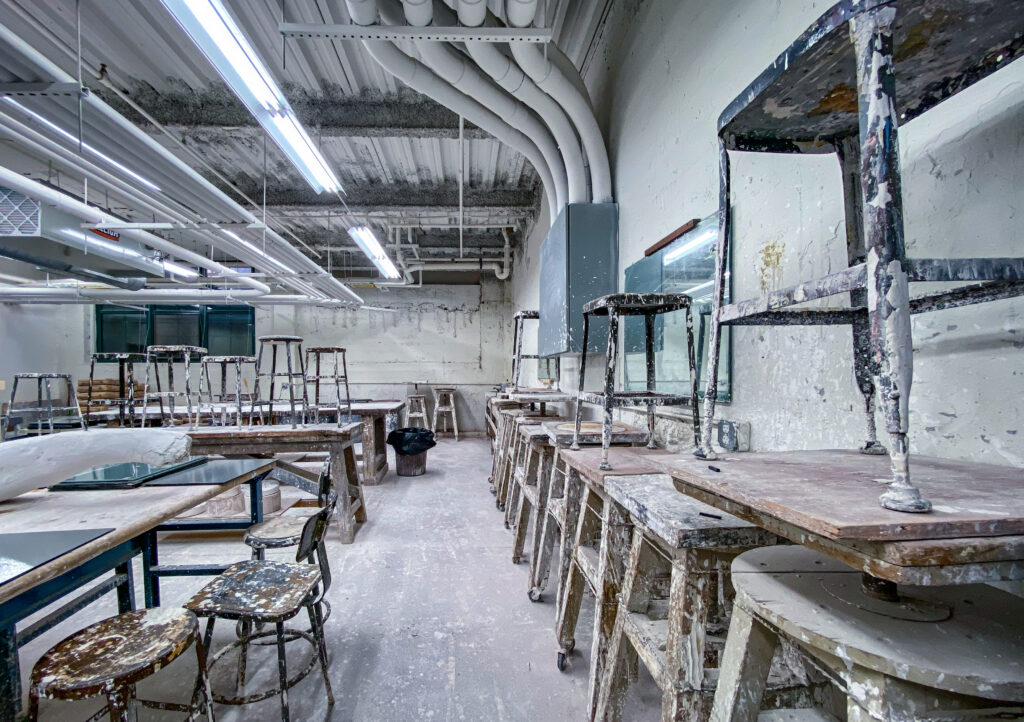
(375, 449)
(338, 441)
(828, 500)
(133, 517)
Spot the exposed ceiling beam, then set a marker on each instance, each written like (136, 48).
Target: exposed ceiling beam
(395, 194)
(211, 112)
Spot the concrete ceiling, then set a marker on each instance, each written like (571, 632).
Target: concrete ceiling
(396, 153)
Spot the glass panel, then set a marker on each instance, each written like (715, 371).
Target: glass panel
(687, 265)
(230, 331)
(177, 326)
(120, 330)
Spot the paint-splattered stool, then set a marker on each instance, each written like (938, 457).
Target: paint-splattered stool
(108, 658)
(416, 410)
(444, 403)
(292, 378)
(333, 374)
(232, 372)
(673, 605)
(505, 444)
(55, 407)
(160, 361)
(549, 526)
(936, 653)
(263, 592)
(526, 491)
(648, 305)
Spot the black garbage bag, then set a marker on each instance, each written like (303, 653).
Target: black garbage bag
(411, 441)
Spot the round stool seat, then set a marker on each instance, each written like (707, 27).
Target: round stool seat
(279, 339)
(176, 349)
(967, 639)
(117, 651)
(281, 531)
(326, 349)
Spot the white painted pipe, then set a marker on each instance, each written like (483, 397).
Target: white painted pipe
(421, 79)
(472, 12)
(520, 13)
(419, 12)
(362, 12)
(89, 296)
(46, 68)
(467, 77)
(77, 208)
(554, 82)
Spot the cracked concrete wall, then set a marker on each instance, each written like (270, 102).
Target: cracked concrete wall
(662, 72)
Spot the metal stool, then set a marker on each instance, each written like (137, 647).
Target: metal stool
(123, 391)
(261, 592)
(444, 403)
(168, 356)
(237, 364)
(111, 656)
(339, 379)
(290, 378)
(648, 305)
(44, 411)
(416, 408)
(286, 531)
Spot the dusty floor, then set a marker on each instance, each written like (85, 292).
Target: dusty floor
(430, 618)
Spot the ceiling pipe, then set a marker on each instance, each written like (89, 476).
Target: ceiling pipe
(520, 13)
(508, 75)
(419, 12)
(77, 208)
(472, 12)
(421, 79)
(91, 296)
(55, 152)
(576, 104)
(67, 269)
(468, 78)
(43, 66)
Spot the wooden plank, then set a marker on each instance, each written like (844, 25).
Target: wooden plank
(835, 493)
(587, 462)
(685, 228)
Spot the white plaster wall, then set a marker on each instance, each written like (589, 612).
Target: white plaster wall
(664, 71)
(437, 335)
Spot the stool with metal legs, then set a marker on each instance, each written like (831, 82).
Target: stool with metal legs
(648, 305)
(292, 378)
(119, 392)
(234, 400)
(167, 356)
(52, 409)
(342, 407)
(267, 592)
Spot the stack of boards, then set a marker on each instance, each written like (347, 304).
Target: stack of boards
(105, 392)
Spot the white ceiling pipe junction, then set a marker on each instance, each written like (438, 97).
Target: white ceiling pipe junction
(44, 67)
(420, 78)
(466, 77)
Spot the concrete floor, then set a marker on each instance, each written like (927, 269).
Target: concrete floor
(430, 618)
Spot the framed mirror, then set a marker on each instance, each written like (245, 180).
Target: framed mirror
(685, 265)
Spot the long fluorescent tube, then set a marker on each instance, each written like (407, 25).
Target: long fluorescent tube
(365, 239)
(85, 146)
(258, 251)
(218, 36)
(177, 270)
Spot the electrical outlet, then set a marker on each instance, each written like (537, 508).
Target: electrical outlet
(3, 385)
(734, 435)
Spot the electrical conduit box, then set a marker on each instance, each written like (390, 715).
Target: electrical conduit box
(579, 261)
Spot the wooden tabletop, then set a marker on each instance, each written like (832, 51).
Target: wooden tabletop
(273, 432)
(129, 512)
(536, 396)
(561, 432)
(623, 460)
(363, 408)
(835, 493)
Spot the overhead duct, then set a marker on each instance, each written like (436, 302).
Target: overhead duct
(554, 82)
(42, 66)
(421, 79)
(462, 74)
(72, 271)
(51, 196)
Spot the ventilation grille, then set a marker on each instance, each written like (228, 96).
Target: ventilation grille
(19, 214)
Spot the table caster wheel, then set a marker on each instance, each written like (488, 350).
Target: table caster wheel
(534, 594)
(507, 526)
(516, 560)
(501, 506)
(561, 662)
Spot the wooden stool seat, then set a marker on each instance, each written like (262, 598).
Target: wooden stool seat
(264, 591)
(281, 531)
(444, 403)
(111, 656)
(950, 651)
(416, 408)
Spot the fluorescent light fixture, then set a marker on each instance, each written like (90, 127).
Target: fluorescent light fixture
(702, 240)
(218, 36)
(177, 270)
(258, 251)
(365, 239)
(85, 146)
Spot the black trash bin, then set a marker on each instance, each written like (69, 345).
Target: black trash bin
(411, 445)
